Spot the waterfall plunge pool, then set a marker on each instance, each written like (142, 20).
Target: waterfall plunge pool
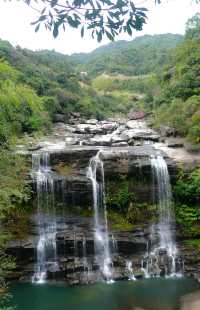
(147, 294)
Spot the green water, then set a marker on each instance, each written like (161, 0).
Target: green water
(150, 294)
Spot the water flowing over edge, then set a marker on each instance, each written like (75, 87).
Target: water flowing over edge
(162, 249)
(46, 245)
(101, 236)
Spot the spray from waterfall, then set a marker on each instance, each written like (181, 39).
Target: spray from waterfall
(129, 269)
(160, 259)
(47, 228)
(95, 173)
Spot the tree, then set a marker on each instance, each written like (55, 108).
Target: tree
(193, 27)
(100, 17)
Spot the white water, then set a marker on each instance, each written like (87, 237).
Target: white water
(129, 268)
(46, 246)
(101, 237)
(166, 246)
(164, 197)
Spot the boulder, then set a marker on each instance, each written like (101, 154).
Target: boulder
(109, 127)
(69, 128)
(92, 121)
(104, 140)
(141, 134)
(135, 115)
(120, 144)
(119, 138)
(57, 118)
(71, 140)
(87, 128)
(175, 143)
(133, 124)
(167, 131)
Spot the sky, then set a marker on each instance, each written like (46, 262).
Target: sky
(15, 19)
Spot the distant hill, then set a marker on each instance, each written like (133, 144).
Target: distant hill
(143, 55)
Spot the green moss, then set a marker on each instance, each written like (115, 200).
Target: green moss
(118, 222)
(141, 213)
(64, 169)
(193, 243)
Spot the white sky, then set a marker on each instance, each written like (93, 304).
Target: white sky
(15, 18)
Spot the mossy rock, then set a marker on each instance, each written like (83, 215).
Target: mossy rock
(64, 170)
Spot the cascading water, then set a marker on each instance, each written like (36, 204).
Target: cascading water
(46, 246)
(129, 269)
(161, 257)
(101, 237)
(164, 198)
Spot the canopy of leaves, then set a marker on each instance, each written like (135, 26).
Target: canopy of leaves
(99, 17)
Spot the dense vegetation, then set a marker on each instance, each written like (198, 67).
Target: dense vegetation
(187, 206)
(177, 100)
(143, 55)
(35, 86)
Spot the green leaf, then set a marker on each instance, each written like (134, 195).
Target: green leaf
(109, 35)
(37, 28)
(82, 32)
(99, 36)
(54, 3)
(42, 18)
(129, 30)
(55, 30)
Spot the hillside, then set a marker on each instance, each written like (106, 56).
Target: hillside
(143, 55)
(177, 100)
(40, 87)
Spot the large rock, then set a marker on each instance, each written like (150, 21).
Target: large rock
(191, 301)
(140, 134)
(175, 142)
(109, 127)
(119, 138)
(103, 140)
(92, 121)
(120, 144)
(136, 115)
(58, 118)
(88, 128)
(167, 131)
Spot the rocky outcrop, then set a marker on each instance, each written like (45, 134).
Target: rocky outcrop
(75, 252)
(191, 260)
(126, 147)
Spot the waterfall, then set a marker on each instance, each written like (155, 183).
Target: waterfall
(114, 245)
(164, 198)
(101, 238)
(129, 269)
(47, 227)
(160, 258)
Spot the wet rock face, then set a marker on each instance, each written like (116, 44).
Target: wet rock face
(126, 148)
(77, 263)
(191, 260)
